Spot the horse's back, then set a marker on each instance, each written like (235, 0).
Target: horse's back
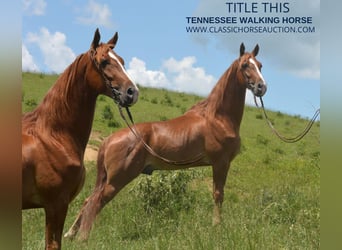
(170, 131)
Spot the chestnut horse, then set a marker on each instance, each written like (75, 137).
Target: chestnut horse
(55, 134)
(210, 129)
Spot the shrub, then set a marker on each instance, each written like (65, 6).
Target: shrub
(31, 102)
(167, 100)
(262, 140)
(107, 113)
(101, 98)
(279, 114)
(113, 124)
(183, 110)
(259, 116)
(162, 118)
(165, 193)
(154, 100)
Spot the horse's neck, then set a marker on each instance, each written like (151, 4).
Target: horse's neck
(68, 108)
(228, 98)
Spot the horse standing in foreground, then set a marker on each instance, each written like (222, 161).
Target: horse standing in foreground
(208, 133)
(55, 134)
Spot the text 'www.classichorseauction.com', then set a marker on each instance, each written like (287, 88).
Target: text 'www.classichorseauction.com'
(252, 17)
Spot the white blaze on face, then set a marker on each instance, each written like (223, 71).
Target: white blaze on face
(251, 60)
(112, 55)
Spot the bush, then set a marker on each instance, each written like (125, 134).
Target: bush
(154, 100)
(259, 116)
(107, 113)
(163, 118)
(260, 139)
(101, 98)
(165, 193)
(31, 103)
(167, 100)
(113, 124)
(183, 110)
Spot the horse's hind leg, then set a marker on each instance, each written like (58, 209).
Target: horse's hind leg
(88, 212)
(96, 203)
(111, 179)
(116, 180)
(76, 225)
(90, 203)
(93, 206)
(90, 208)
(220, 172)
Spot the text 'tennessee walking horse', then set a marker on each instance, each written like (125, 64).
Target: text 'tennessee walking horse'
(210, 129)
(55, 134)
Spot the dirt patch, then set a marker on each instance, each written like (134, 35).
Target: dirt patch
(90, 153)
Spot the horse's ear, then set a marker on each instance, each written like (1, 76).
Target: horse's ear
(96, 39)
(113, 40)
(255, 50)
(242, 49)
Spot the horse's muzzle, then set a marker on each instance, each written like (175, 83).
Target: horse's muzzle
(129, 98)
(125, 99)
(258, 89)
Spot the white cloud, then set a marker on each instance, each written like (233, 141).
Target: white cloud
(143, 76)
(57, 55)
(175, 75)
(250, 98)
(181, 76)
(295, 53)
(96, 13)
(185, 77)
(27, 62)
(34, 7)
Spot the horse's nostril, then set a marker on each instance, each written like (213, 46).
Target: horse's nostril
(130, 91)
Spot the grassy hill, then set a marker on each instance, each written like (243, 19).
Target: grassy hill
(271, 196)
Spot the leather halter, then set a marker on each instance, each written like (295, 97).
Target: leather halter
(116, 94)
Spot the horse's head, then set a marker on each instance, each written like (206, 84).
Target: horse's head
(118, 84)
(250, 69)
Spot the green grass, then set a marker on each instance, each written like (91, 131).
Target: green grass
(271, 196)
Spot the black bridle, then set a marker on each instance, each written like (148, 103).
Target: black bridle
(115, 93)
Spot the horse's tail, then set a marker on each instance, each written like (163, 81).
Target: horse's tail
(93, 206)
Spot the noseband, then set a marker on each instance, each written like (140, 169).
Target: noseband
(116, 93)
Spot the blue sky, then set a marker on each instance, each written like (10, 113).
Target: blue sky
(159, 52)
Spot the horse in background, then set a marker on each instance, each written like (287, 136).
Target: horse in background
(55, 134)
(208, 134)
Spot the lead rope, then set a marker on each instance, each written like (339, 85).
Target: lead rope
(283, 138)
(149, 149)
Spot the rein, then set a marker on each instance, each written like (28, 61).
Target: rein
(149, 149)
(281, 137)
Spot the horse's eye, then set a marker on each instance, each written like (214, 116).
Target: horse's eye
(245, 65)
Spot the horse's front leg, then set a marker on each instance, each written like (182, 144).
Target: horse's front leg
(54, 222)
(220, 172)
